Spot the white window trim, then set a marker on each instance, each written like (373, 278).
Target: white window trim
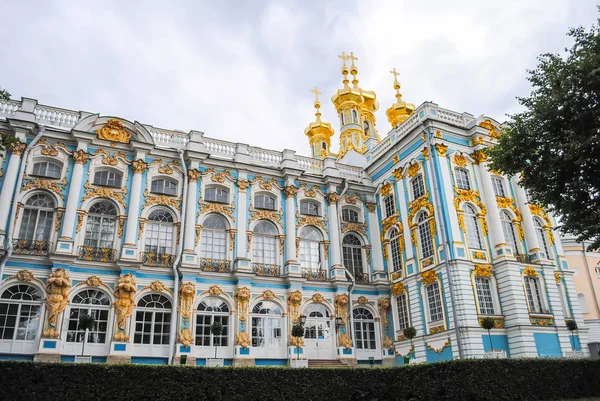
(428, 323)
(495, 297)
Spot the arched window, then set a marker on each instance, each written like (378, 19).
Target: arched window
(262, 201)
(212, 310)
(563, 301)
(485, 300)
(310, 249)
(354, 116)
(535, 297)
(264, 243)
(318, 322)
(403, 314)
(541, 236)
(582, 303)
(472, 227)
(435, 310)
(508, 229)
(367, 128)
(498, 185)
(350, 215)
(323, 146)
(218, 195)
(267, 323)
(214, 238)
(38, 214)
(108, 178)
(342, 118)
(152, 320)
(96, 304)
(364, 329)
(425, 236)
(395, 254)
(163, 186)
(100, 227)
(47, 169)
(309, 208)
(352, 254)
(389, 207)
(159, 233)
(20, 312)
(418, 187)
(462, 178)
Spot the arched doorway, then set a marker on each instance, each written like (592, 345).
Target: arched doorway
(319, 334)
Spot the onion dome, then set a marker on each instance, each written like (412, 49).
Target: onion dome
(399, 111)
(319, 133)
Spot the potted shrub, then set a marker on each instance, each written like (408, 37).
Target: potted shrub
(216, 329)
(572, 326)
(487, 323)
(410, 333)
(298, 341)
(86, 323)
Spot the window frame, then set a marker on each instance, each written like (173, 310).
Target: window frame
(389, 206)
(439, 307)
(395, 255)
(204, 244)
(264, 245)
(419, 180)
(348, 213)
(34, 313)
(364, 326)
(483, 305)
(165, 323)
(49, 217)
(264, 205)
(270, 322)
(307, 211)
(422, 225)
(224, 317)
(405, 315)
(509, 231)
(462, 178)
(45, 173)
(112, 224)
(218, 192)
(471, 218)
(172, 183)
(539, 295)
(165, 235)
(354, 254)
(118, 176)
(498, 186)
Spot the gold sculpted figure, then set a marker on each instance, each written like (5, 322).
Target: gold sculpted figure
(114, 131)
(124, 305)
(58, 285)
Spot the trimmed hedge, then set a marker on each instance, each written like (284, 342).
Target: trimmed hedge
(455, 380)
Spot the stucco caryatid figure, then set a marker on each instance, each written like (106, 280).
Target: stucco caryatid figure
(341, 310)
(242, 298)
(125, 303)
(187, 291)
(294, 302)
(58, 287)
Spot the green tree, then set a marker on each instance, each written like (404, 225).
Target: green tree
(86, 323)
(4, 95)
(298, 332)
(410, 333)
(5, 140)
(572, 326)
(555, 142)
(216, 329)
(487, 323)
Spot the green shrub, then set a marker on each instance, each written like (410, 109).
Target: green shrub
(518, 379)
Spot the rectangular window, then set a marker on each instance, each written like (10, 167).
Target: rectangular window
(403, 316)
(388, 206)
(534, 294)
(498, 187)
(108, 178)
(462, 178)
(218, 195)
(426, 239)
(47, 169)
(264, 202)
(203, 335)
(164, 187)
(484, 296)
(434, 302)
(418, 187)
(349, 215)
(309, 208)
(310, 257)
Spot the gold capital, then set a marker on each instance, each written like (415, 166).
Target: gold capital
(81, 156)
(139, 166)
(193, 175)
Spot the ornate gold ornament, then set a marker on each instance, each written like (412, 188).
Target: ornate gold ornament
(51, 149)
(311, 221)
(114, 131)
(384, 306)
(413, 169)
(104, 192)
(193, 175)
(429, 277)
(297, 246)
(290, 191)
(479, 156)
(209, 207)
(281, 244)
(139, 166)
(294, 302)
(371, 206)
(43, 183)
(317, 298)
(537, 210)
(243, 185)
(231, 232)
(198, 232)
(242, 297)
(415, 206)
(386, 189)
(81, 156)
(557, 277)
(468, 195)
(121, 225)
(487, 124)
(341, 307)
(425, 153)
(242, 339)
(215, 290)
(296, 341)
(530, 271)
(187, 292)
(387, 342)
(94, 281)
(24, 275)
(396, 159)
(57, 286)
(438, 329)
(482, 270)
(479, 255)
(353, 199)
(141, 224)
(109, 160)
(441, 149)
(249, 234)
(384, 248)
(460, 160)
(541, 321)
(362, 300)
(262, 214)
(58, 221)
(397, 174)
(498, 321)
(17, 148)
(333, 198)
(268, 294)
(345, 341)
(218, 177)
(367, 249)
(157, 286)
(165, 200)
(80, 216)
(477, 140)
(446, 344)
(124, 305)
(357, 227)
(398, 289)
(308, 191)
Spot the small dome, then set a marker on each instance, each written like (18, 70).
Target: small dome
(399, 111)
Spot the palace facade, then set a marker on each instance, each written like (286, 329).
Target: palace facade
(158, 234)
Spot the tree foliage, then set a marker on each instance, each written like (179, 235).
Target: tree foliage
(555, 142)
(4, 95)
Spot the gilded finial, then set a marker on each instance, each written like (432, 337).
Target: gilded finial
(352, 57)
(353, 69)
(317, 104)
(399, 111)
(396, 83)
(344, 58)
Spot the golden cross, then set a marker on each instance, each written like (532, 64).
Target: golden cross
(395, 74)
(344, 58)
(316, 92)
(352, 57)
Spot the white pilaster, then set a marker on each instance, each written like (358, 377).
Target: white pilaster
(448, 189)
(292, 267)
(8, 187)
(190, 257)
(133, 211)
(375, 236)
(408, 249)
(334, 235)
(242, 261)
(533, 245)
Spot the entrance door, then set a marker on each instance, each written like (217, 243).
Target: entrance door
(318, 336)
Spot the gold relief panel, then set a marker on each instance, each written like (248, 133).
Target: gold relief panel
(24, 275)
(318, 298)
(297, 246)
(294, 302)
(231, 232)
(249, 235)
(209, 207)
(362, 300)
(413, 169)
(482, 270)
(193, 175)
(94, 281)
(557, 277)
(384, 305)
(308, 191)
(215, 290)
(198, 233)
(18, 148)
(114, 131)
(425, 153)
(398, 289)
(438, 329)
(165, 200)
(312, 221)
(57, 287)
(541, 321)
(218, 177)
(139, 166)
(530, 271)
(397, 174)
(242, 297)
(59, 215)
(290, 191)
(80, 216)
(141, 223)
(43, 183)
(460, 160)
(353, 199)
(386, 189)
(268, 294)
(125, 290)
(81, 156)
(498, 321)
(468, 195)
(371, 206)
(429, 277)
(479, 255)
(357, 227)
(333, 198)
(104, 192)
(441, 149)
(121, 225)
(261, 214)
(477, 140)
(243, 185)
(281, 244)
(112, 160)
(479, 156)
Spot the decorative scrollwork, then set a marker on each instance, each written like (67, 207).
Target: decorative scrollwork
(397, 289)
(429, 277)
(414, 169)
(44, 183)
(211, 207)
(124, 305)
(290, 191)
(294, 302)
(530, 271)
(57, 287)
(104, 193)
(460, 160)
(165, 200)
(114, 131)
(482, 270)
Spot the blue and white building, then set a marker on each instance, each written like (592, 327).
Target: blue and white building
(158, 234)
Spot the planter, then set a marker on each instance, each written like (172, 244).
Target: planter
(215, 362)
(298, 363)
(83, 359)
(497, 354)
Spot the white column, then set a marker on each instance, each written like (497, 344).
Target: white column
(10, 179)
(292, 267)
(449, 194)
(189, 243)
(375, 234)
(334, 236)
(81, 158)
(408, 249)
(139, 166)
(533, 246)
(242, 260)
(493, 214)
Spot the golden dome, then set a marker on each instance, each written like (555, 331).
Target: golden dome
(364, 98)
(399, 111)
(318, 128)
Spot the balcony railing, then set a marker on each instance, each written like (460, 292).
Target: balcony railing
(31, 247)
(157, 259)
(96, 254)
(523, 258)
(261, 269)
(215, 265)
(363, 278)
(314, 275)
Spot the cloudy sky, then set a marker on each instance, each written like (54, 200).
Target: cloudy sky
(243, 70)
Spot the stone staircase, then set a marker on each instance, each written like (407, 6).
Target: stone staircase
(326, 363)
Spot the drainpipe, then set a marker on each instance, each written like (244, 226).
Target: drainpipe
(174, 316)
(589, 274)
(13, 214)
(348, 274)
(440, 219)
